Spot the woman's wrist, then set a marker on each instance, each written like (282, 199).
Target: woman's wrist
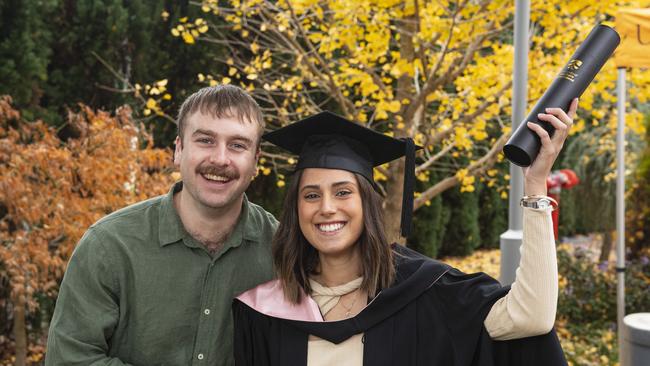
(535, 189)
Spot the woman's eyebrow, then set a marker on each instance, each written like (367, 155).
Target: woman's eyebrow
(316, 186)
(342, 183)
(310, 186)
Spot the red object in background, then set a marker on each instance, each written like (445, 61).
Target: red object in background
(556, 181)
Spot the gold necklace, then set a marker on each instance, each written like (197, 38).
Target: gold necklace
(348, 310)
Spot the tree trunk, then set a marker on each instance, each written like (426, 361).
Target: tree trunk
(606, 247)
(20, 333)
(395, 184)
(393, 203)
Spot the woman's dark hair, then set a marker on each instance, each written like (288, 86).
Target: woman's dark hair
(295, 258)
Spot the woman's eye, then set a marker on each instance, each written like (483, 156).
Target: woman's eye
(311, 196)
(238, 146)
(204, 140)
(343, 193)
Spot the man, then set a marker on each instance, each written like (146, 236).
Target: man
(152, 284)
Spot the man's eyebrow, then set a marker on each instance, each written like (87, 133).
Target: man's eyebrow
(201, 131)
(204, 132)
(243, 138)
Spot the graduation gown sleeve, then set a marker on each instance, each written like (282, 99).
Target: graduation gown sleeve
(464, 301)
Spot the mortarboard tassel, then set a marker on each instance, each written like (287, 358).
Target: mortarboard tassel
(409, 186)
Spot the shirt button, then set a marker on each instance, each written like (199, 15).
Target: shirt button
(206, 311)
(200, 356)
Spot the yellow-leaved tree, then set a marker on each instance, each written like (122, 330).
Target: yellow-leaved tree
(439, 72)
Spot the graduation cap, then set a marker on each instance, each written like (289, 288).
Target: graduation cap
(327, 140)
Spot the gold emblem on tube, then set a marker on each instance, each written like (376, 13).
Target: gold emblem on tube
(571, 71)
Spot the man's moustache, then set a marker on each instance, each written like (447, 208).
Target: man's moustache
(222, 172)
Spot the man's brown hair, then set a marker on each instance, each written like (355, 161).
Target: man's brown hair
(295, 259)
(222, 101)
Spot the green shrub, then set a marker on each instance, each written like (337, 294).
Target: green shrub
(493, 217)
(637, 285)
(456, 223)
(587, 293)
(588, 290)
(462, 233)
(429, 223)
(638, 210)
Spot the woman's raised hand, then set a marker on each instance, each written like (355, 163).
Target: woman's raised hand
(535, 175)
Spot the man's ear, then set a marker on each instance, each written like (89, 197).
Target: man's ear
(177, 151)
(258, 153)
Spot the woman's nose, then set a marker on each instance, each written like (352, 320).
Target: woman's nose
(328, 206)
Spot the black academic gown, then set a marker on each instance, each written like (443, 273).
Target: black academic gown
(432, 315)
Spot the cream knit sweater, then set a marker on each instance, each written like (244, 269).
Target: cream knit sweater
(527, 310)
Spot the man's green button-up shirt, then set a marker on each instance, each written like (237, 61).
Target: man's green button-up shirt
(140, 290)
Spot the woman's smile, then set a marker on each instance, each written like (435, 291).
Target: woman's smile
(331, 228)
(330, 210)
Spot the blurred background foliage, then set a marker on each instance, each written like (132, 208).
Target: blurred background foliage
(55, 54)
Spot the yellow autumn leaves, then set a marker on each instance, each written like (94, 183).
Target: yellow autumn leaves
(375, 61)
(466, 180)
(153, 95)
(189, 31)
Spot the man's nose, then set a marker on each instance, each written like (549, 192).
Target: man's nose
(219, 155)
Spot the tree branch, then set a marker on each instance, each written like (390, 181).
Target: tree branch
(434, 158)
(346, 104)
(475, 168)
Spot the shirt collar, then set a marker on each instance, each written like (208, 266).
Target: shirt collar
(171, 229)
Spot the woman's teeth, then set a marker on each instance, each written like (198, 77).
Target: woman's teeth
(330, 227)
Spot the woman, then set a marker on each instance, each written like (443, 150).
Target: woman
(344, 296)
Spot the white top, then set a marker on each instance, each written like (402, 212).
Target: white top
(527, 310)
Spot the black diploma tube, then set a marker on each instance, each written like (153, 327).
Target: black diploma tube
(586, 62)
